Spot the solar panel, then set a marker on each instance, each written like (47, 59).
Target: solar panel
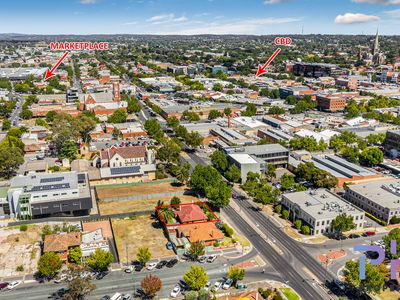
(51, 179)
(125, 170)
(50, 187)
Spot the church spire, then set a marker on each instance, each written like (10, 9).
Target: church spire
(376, 43)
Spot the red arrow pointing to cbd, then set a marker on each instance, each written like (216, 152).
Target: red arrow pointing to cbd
(261, 69)
(50, 73)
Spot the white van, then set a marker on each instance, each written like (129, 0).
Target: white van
(117, 296)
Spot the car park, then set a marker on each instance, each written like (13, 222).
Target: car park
(217, 285)
(227, 284)
(211, 258)
(14, 284)
(172, 263)
(176, 291)
(151, 266)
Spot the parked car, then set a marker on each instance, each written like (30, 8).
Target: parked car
(172, 263)
(202, 259)
(208, 285)
(217, 285)
(227, 284)
(129, 269)
(369, 233)
(3, 285)
(127, 297)
(354, 236)
(151, 266)
(14, 284)
(340, 284)
(161, 264)
(169, 246)
(105, 297)
(176, 290)
(139, 267)
(101, 275)
(211, 258)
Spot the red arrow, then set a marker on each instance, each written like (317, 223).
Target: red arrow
(50, 73)
(261, 69)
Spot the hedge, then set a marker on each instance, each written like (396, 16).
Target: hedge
(379, 221)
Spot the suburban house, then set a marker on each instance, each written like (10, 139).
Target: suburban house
(61, 243)
(192, 222)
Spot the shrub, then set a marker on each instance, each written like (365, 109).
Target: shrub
(20, 268)
(260, 290)
(395, 220)
(305, 230)
(297, 224)
(23, 227)
(216, 244)
(285, 214)
(379, 221)
(265, 294)
(278, 209)
(227, 230)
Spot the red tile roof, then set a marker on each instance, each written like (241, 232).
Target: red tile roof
(61, 242)
(190, 213)
(201, 232)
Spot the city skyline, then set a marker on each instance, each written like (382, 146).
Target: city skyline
(262, 17)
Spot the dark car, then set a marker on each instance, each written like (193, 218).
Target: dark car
(106, 297)
(139, 267)
(161, 264)
(172, 263)
(3, 285)
(101, 275)
(354, 236)
(341, 237)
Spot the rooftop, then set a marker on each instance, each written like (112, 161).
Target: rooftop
(61, 242)
(322, 204)
(243, 158)
(385, 192)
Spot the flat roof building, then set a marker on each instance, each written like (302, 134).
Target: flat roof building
(246, 163)
(318, 208)
(39, 195)
(380, 198)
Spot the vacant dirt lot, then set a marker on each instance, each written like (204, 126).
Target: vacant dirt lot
(138, 190)
(140, 232)
(124, 206)
(19, 249)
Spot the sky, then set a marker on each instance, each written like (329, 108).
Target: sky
(200, 16)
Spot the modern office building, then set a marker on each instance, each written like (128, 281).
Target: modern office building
(39, 195)
(315, 69)
(246, 163)
(271, 153)
(380, 198)
(331, 103)
(318, 208)
(392, 143)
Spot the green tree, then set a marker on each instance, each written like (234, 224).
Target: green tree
(236, 273)
(50, 116)
(78, 288)
(6, 124)
(196, 250)
(219, 160)
(214, 114)
(371, 156)
(227, 111)
(68, 149)
(250, 111)
(276, 110)
(75, 255)
(291, 100)
(175, 200)
(100, 260)
(172, 122)
(271, 171)
(218, 87)
(285, 214)
(233, 173)
(287, 181)
(194, 139)
(182, 173)
(118, 116)
(169, 152)
(151, 284)
(342, 223)
(305, 229)
(143, 255)
(191, 116)
(394, 234)
(297, 224)
(278, 208)
(196, 278)
(10, 160)
(192, 295)
(49, 264)
(374, 276)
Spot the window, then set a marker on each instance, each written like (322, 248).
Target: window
(56, 194)
(74, 193)
(63, 194)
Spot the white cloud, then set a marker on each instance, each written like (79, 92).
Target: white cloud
(274, 1)
(253, 26)
(166, 18)
(352, 18)
(129, 23)
(393, 13)
(386, 2)
(88, 1)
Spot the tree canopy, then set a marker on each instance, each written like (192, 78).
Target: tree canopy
(196, 277)
(49, 264)
(100, 260)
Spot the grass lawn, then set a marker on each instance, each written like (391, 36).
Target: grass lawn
(131, 234)
(290, 294)
(138, 190)
(124, 206)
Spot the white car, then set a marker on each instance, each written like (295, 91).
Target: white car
(227, 284)
(211, 258)
(14, 284)
(208, 285)
(175, 292)
(151, 266)
(217, 285)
